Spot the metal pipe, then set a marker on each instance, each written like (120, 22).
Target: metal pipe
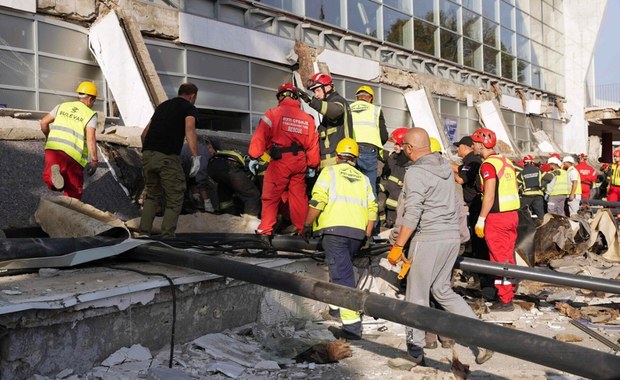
(467, 331)
(598, 202)
(542, 275)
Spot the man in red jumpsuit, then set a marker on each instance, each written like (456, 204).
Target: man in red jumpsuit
(588, 176)
(498, 219)
(289, 136)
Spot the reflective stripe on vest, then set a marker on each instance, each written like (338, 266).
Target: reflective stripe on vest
(614, 178)
(231, 154)
(570, 185)
(67, 133)
(531, 180)
(366, 123)
(507, 193)
(560, 186)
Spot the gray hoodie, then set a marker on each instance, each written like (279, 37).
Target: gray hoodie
(430, 199)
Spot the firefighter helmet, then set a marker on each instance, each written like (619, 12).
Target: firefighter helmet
(367, 90)
(398, 135)
(484, 136)
(347, 146)
(569, 159)
(287, 89)
(88, 88)
(528, 158)
(435, 145)
(318, 80)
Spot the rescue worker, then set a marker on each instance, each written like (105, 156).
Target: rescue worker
(530, 184)
(574, 185)
(370, 132)
(587, 174)
(557, 189)
(336, 123)
(343, 211)
(70, 140)
(613, 178)
(198, 187)
(289, 135)
(498, 219)
(393, 174)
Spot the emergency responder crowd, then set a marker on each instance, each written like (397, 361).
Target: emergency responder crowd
(326, 178)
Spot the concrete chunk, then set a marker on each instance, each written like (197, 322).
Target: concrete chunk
(166, 374)
(228, 369)
(138, 353)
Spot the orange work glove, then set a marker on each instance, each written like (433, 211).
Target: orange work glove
(404, 269)
(395, 255)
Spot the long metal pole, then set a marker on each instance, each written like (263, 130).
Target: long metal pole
(574, 359)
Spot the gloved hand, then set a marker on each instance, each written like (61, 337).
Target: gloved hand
(310, 173)
(303, 95)
(404, 270)
(91, 167)
(253, 166)
(306, 233)
(195, 166)
(479, 228)
(395, 255)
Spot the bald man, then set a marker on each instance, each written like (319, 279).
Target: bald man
(429, 220)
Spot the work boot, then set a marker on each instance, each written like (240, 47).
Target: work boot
(501, 306)
(343, 334)
(483, 355)
(57, 180)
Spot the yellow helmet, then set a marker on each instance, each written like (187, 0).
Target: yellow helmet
(435, 145)
(367, 90)
(88, 88)
(348, 146)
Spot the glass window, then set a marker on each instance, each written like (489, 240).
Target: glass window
(200, 7)
(363, 17)
(394, 99)
(16, 32)
(424, 35)
(263, 99)
(61, 75)
(398, 28)
(222, 95)
(215, 66)
(473, 5)
(166, 59)
(523, 47)
(472, 54)
(449, 45)
(536, 30)
(536, 9)
(507, 66)
(62, 41)
(449, 107)
(17, 69)
(538, 53)
(448, 15)
(489, 33)
(20, 99)
(506, 41)
(547, 13)
(326, 11)
(287, 5)
(523, 72)
(523, 5)
(536, 76)
(490, 60)
(171, 85)
(268, 76)
(395, 118)
(424, 10)
(488, 9)
(505, 12)
(401, 5)
(472, 25)
(522, 23)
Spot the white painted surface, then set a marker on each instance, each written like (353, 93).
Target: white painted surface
(350, 66)
(114, 55)
(494, 121)
(22, 5)
(534, 106)
(512, 103)
(200, 31)
(422, 114)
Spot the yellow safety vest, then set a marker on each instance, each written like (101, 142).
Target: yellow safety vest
(614, 178)
(570, 185)
(345, 198)
(560, 186)
(507, 192)
(366, 123)
(231, 155)
(67, 131)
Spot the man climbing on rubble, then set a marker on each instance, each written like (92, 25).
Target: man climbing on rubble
(343, 211)
(70, 138)
(498, 219)
(162, 141)
(198, 187)
(394, 173)
(336, 122)
(290, 137)
(428, 218)
(587, 174)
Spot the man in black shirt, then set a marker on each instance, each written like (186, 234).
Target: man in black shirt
(162, 141)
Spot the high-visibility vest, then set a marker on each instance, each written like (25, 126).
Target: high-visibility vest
(366, 123)
(231, 155)
(614, 177)
(560, 186)
(570, 185)
(332, 131)
(346, 200)
(67, 132)
(506, 191)
(531, 180)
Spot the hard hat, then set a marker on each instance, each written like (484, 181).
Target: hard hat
(617, 152)
(348, 146)
(287, 89)
(435, 145)
(583, 156)
(88, 88)
(556, 155)
(554, 160)
(569, 159)
(484, 136)
(318, 80)
(398, 135)
(528, 158)
(367, 90)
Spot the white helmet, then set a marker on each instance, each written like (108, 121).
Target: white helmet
(554, 160)
(569, 159)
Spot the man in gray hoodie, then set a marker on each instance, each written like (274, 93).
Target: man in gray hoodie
(429, 219)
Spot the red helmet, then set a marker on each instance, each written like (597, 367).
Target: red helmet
(528, 158)
(583, 156)
(556, 155)
(484, 136)
(287, 89)
(617, 152)
(398, 135)
(318, 80)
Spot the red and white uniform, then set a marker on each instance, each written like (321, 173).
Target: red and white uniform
(588, 177)
(284, 126)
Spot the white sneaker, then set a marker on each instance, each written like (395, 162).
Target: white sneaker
(208, 206)
(57, 180)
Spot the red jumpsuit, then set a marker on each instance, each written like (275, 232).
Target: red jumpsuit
(282, 128)
(588, 177)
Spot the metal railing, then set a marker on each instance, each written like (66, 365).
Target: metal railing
(603, 95)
